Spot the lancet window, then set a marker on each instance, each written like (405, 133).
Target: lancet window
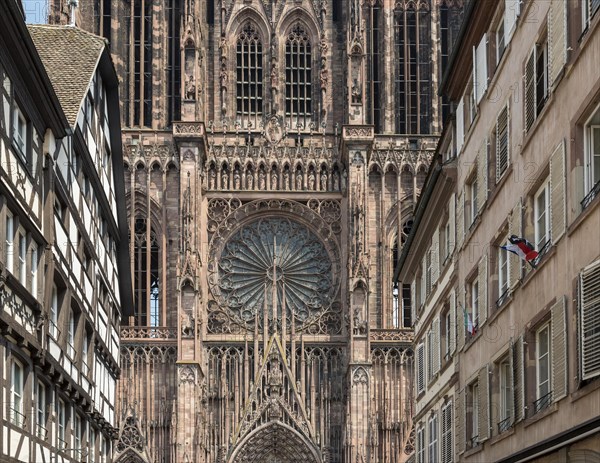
(173, 13)
(375, 67)
(451, 14)
(146, 275)
(249, 76)
(298, 78)
(412, 41)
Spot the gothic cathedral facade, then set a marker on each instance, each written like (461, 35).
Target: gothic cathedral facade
(274, 151)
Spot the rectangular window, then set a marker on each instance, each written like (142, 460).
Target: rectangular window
(447, 334)
(41, 411)
(503, 274)
(92, 445)
(23, 259)
(430, 350)
(500, 41)
(433, 438)
(78, 430)
(472, 201)
(592, 158)
(541, 213)
(10, 236)
(447, 441)
(420, 456)
(62, 425)
(589, 318)
(588, 9)
(543, 369)
(474, 412)
(420, 368)
(502, 145)
(34, 270)
(17, 416)
(20, 133)
(71, 335)
(85, 369)
(536, 82)
(53, 322)
(506, 391)
(473, 289)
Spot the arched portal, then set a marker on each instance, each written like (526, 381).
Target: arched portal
(275, 442)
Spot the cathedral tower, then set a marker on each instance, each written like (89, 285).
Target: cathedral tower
(274, 152)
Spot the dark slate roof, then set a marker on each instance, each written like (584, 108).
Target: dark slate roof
(70, 56)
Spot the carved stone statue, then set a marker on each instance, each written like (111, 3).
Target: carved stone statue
(224, 180)
(360, 326)
(274, 180)
(323, 181)
(311, 180)
(237, 179)
(286, 179)
(299, 180)
(187, 327)
(249, 180)
(356, 92)
(190, 89)
(336, 181)
(212, 178)
(262, 180)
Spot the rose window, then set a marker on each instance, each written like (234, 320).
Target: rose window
(271, 265)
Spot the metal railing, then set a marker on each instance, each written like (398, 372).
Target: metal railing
(17, 418)
(474, 441)
(542, 403)
(41, 432)
(586, 201)
(503, 297)
(542, 252)
(504, 425)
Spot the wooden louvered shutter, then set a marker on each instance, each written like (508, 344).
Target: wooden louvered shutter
(436, 346)
(460, 420)
(519, 379)
(423, 295)
(559, 350)
(530, 105)
(502, 143)
(482, 175)
(460, 125)
(557, 39)
(452, 221)
(512, 8)
(460, 219)
(435, 256)
(589, 319)
(483, 290)
(420, 368)
(452, 328)
(558, 209)
(413, 299)
(484, 406)
(480, 80)
(511, 382)
(514, 265)
(460, 318)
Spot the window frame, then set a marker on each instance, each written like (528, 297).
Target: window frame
(505, 390)
(432, 445)
(543, 190)
(41, 413)
(22, 257)
(17, 394)
(503, 277)
(590, 180)
(20, 132)
(61, 424)
(10, 241)
(548, 359)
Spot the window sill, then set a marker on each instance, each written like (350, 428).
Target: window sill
(583, 215)
(530, 275)
(500, 437)
(498, 186)
(541, 415)
(473, 227)
(530, 134)
(474, 450)
(583, 391)
(497, 310)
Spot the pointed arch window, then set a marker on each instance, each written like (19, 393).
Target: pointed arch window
(412, 41)
(375, 66)
(298, 77)
(249, 72)
(146, 275)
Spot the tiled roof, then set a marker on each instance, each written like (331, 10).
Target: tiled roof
(70, 56)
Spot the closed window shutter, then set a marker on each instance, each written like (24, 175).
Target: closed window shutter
(452, 220)
(512, 9)
(423, 281)
(484, 408)
(460, 319)
(502, 143)
(483, 290)
(511, 381)
(530, 96)
(420, 368)
(480, 74)
(447, 431)
(557, 38)
(559, 350)
(519, 379)
(436, 346)
(452, 327)
(460, 125)
(514, 264)
(435, 256)
(482, 176)
(413, 300)
(460, 221)
(590, 321)
(558, 195)
(460, 420)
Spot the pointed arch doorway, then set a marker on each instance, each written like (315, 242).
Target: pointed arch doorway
(275, 442)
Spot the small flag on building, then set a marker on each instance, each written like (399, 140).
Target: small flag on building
(522, 248)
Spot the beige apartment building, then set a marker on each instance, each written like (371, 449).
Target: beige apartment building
(507, 353)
